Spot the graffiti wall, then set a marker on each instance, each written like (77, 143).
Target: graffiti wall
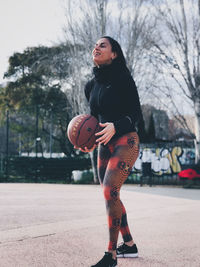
(165, 160)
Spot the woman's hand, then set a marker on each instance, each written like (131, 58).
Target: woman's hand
(107, 133)
(85, 150)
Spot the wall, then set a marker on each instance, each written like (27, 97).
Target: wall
(166, 159)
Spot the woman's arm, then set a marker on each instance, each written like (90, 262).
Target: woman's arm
(131, 104)
(88, 88)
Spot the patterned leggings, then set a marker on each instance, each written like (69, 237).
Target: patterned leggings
(115, 161)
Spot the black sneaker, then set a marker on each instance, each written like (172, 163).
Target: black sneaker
(124, 251)
(106, 261)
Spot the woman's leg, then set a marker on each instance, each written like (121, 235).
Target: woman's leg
(104, 155)
(114, 170)
(124, 228)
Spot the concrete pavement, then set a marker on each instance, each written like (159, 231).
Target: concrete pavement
(47, 225)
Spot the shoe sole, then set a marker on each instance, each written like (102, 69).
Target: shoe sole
(135, 255)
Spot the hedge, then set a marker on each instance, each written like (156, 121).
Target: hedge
(46, 168)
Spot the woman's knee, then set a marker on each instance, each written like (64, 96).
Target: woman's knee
(110, 192)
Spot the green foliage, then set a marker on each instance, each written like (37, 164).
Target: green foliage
(33, 73)
(34, 90)
(47, 61)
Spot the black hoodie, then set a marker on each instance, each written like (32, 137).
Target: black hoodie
(113, 97)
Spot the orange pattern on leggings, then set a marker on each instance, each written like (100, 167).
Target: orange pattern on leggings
(115, 162)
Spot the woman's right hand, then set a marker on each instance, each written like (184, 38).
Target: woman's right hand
(86, 150)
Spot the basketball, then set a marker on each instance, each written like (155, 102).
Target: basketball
(81, 131)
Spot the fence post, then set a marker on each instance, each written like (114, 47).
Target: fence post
(1, 170)
(7, 144)
(146, 172)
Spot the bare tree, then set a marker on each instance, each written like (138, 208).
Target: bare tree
(130, 22)
(127, 21)
(85, 22)
(134, 27)
(176, 56)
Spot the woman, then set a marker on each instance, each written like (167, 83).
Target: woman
(113, 99)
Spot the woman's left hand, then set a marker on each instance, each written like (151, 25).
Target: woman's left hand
(107, 133)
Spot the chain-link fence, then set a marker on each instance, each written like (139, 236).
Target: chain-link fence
(25, 156)
(31, 169)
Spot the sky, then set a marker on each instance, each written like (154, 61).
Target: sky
(25, 23)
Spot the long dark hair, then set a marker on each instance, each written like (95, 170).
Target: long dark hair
(117, 49)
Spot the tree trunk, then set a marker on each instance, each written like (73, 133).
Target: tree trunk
(197, 130)
(93, 157)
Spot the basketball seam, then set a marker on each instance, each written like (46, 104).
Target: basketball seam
(80, 131)
(91, 135)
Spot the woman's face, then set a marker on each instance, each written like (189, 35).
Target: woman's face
(102, 53)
